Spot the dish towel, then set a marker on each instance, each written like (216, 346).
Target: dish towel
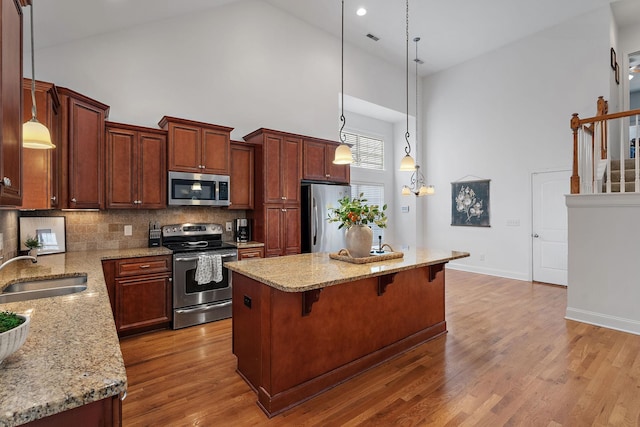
(209, 269)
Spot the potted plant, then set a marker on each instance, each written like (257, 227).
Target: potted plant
(356, 215)
(32, 243)
(13, 332)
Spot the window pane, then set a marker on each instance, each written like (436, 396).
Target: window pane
(367, 152)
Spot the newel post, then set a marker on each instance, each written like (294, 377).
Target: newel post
(575, 178)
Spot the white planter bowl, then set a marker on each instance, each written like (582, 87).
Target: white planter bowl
(13, 339)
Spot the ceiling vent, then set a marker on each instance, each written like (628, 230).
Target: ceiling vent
(372, 37)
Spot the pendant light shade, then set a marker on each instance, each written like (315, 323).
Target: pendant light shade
(407, 164)
(343, 152)
(343, 155)
(35, 134)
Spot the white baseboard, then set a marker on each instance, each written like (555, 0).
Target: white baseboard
(606, 321)
(488, 271)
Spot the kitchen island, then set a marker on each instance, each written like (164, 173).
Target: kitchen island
(305, 323)
(71, 364)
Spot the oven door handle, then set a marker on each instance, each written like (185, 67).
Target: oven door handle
(188, 259)
(203, 308)
(200, 244)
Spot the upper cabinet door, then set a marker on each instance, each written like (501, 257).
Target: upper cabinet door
(314, 161)
(11, 103)
(272, 181)
(86, 158)
(291, 166)
(121, 168)
(136, 167)
(215, 151)
(152, 171)
(197, 147)
(242, 172)
(184, 148)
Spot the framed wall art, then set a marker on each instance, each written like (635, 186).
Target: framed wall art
(470, 203)
(49, 230)
(612, 58)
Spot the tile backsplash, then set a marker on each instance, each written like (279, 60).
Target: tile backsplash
(91, 230)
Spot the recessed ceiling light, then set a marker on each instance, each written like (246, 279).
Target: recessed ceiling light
(361, 11)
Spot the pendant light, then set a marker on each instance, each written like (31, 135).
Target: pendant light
(417, 184)
(407, 163)
(35, 134)
(343, 151)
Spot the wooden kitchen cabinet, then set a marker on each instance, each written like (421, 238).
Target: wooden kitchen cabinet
(242, 175)
(11, 103)
(317, 157)
(136, 167)
(282, 230)
(197, 147)
(248, 253)
(41, 181)
(276, 217)
(140, 293)
(104, 412)
(82, 151)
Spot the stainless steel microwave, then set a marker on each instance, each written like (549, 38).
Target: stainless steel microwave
(198, 189)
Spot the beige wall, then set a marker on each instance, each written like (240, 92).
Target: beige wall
(105, 229)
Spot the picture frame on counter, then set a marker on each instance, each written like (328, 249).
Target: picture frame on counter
(49, 230)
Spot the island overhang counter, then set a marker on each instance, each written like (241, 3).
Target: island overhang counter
(305, 323)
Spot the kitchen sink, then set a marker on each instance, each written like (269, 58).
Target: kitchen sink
(43, 288)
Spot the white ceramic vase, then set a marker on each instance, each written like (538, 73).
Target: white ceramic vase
(359, 239)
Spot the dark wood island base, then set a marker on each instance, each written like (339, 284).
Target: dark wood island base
(292, 346)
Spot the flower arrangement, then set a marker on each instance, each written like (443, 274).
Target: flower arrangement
(355, 211)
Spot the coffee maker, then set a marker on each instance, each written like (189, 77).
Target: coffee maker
(242, 229)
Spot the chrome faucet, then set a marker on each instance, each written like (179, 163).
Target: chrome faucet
(18, 258)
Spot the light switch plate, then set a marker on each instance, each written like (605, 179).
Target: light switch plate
(128, 230)
(1, 241)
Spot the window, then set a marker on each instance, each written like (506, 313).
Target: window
(367, 152)
(375, 196)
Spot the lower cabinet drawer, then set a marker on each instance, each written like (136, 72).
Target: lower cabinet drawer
(248, 253)
(145, 265)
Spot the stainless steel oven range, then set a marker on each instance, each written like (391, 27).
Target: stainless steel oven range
(196, 299)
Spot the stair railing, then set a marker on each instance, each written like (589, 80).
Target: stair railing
(591, 154)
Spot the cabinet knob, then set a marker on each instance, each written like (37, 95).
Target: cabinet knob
(284, 197)
(6, 181)
(145, 266)
(283, 210)
(54, 198)
(328, 176)
(73, 200)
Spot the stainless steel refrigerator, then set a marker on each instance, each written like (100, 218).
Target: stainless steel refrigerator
(319, 235)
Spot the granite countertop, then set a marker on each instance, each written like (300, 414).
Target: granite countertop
(305, 272)
(72, 354)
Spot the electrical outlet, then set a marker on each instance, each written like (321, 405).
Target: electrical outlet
(513, 223)
(128, 230)
(481, 257)
(404, 209)
(229, 226)
(1, 242)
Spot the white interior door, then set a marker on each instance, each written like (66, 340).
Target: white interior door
(550, 225)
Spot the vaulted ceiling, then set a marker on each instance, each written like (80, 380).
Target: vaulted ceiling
(451, 31)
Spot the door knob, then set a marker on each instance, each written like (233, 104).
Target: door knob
(535, 235)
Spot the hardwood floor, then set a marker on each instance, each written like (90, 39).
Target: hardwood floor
(510, 358)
